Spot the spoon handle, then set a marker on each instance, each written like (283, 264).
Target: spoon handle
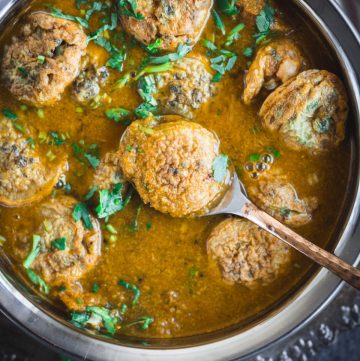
(334, 264)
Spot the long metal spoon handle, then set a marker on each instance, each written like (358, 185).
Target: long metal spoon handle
(334, 264)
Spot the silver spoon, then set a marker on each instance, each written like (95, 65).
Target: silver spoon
(236, 202)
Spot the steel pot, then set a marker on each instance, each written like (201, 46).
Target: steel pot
(38, 319)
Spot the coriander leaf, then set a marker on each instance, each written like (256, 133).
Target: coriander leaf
(57, 13)
(234, 34)
(265, 19)
(93, 161)
(144, 110)
(181, 52)
(34, 251)
(59, 243)
(154, 47)
(81, 212)
(248, 52)
(110, 201)
(38, 281)
(129, 8)
(108, 320)
(41, 59)
(56, 138)
(9, 114)
(218, 22)
(227, 7)
(95, 288)
(132, 288)
(219, 167)
(117, 114)
(209, 45)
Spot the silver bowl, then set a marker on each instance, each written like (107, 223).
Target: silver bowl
(42, 320)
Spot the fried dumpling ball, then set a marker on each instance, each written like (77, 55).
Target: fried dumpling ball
(25, 173)
(171, 165)
(67, 249)
(274, 63)
(279, 199)
(247, 254)
(185, 87)
(44, 59)
(309, 111)
(172, 21)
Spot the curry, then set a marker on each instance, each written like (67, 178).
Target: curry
(154, 275)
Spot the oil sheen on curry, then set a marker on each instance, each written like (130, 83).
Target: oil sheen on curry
(120, 125)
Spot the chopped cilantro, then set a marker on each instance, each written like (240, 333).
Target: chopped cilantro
(265, 19)
(38, 281)
(95, 287)
(81, 212)
(9, 114)
(132, 288)
(148, 226)
(108, 320)
(117, 114)
(35, 251)
(248, 52)
(181, 52)
(227, 7)
(23, 72)
(219, 167)
(56, 138)
(129, 8)
(111, 201)
(218, 22)
(59, 243)
(57, 13)
(153, 48)
(93, 161)
(234, 34)
(41, 59)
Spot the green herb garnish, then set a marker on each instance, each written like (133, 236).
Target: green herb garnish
(35, 251)
(59, 243)
(129, 8)
(181, 52)
(38, 281)
(153, 48)
(143, 321)
(111, 201)
(117, 114)
(56, 138)
(41, 59)
(132, 288)
(9, 114)
(81, 212)
(227, 7)
(218, 22)
(95, 287)
(234, 34)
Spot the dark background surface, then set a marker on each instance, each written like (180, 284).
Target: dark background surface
(333, 336)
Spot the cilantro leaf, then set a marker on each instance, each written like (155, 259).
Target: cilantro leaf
(218, 22)
(219, 167)
(81, 212)
(265, 19)
(154, 47)
(38, 281)
(9, 114)
(111, 201)
(93, 161)
(132, 288)
(227, 7)
(59, 243)
(35, 251)
(129, 8)
(181, 52)
(117, 114)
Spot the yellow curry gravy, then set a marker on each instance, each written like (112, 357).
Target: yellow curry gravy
(181, 288)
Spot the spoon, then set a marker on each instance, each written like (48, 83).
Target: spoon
(236, 202)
